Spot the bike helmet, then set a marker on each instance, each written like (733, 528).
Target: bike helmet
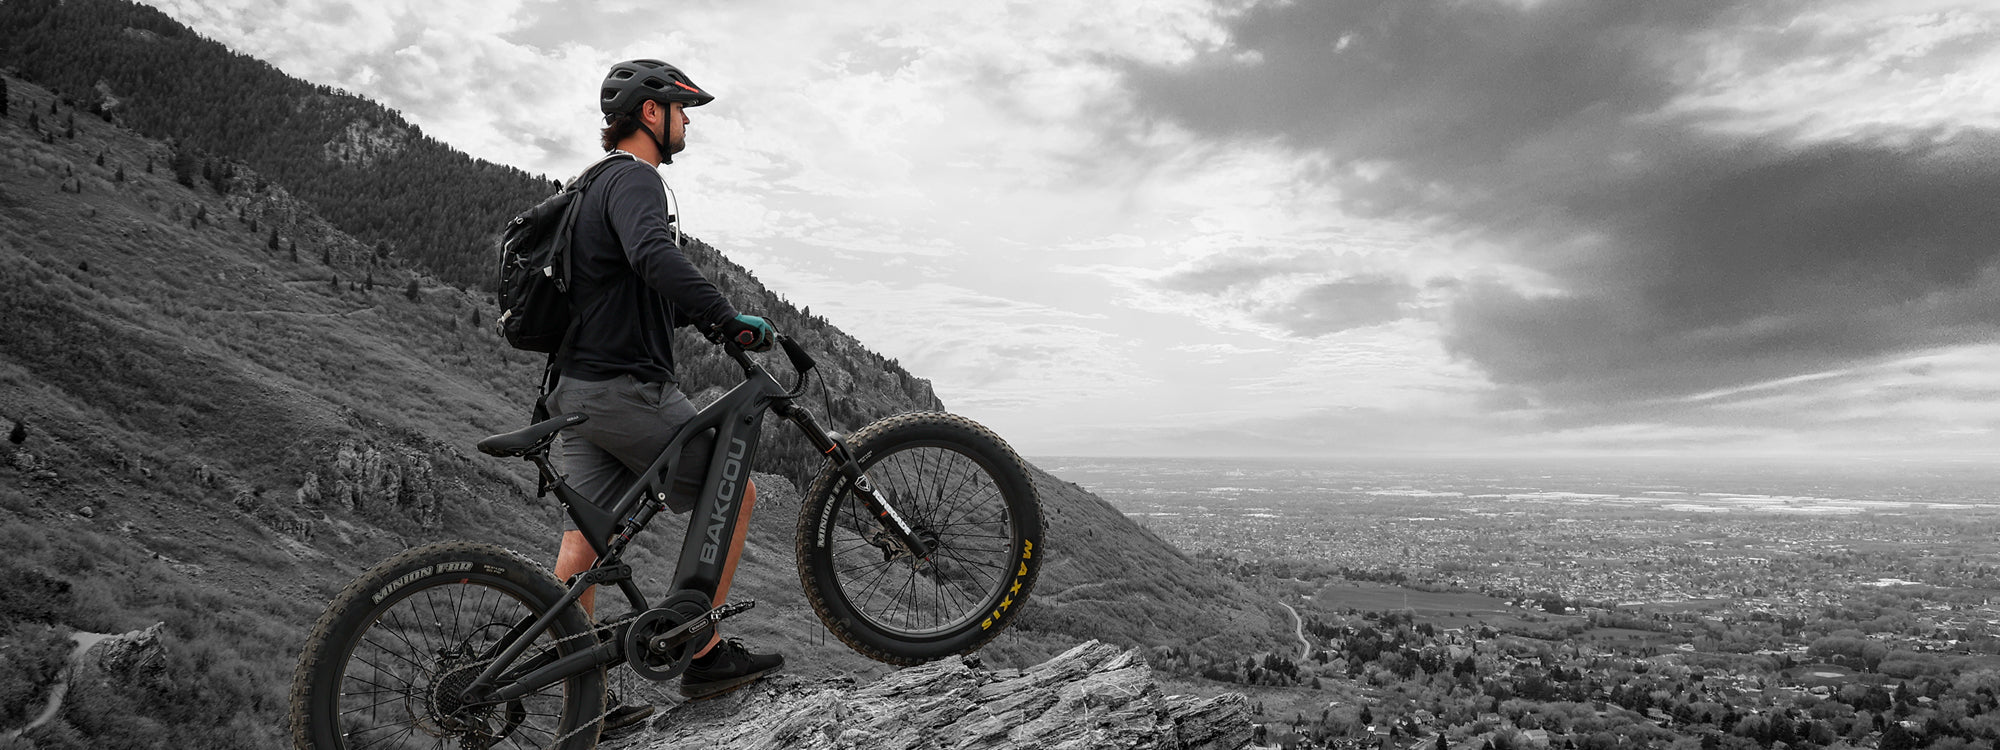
(632, 82)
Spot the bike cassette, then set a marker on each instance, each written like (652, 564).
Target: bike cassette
(661, 641)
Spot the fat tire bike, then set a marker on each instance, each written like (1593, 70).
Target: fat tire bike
(919, 539)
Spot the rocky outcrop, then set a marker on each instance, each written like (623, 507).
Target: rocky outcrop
(365, 476)
(1092, 696)
(133, 656)
(363, 142)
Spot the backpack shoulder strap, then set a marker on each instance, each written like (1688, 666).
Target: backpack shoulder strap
(590, 173)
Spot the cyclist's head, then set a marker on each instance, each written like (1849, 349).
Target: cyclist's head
(627, 88)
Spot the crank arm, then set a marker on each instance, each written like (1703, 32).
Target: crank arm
(686, 631)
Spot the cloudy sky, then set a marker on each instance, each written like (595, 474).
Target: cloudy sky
(1157, 227)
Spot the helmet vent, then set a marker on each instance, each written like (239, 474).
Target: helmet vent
(622, 75)
(655, 84)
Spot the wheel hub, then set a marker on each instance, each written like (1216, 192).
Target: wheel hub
(451, 716)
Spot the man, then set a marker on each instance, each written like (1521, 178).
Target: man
(630, 287)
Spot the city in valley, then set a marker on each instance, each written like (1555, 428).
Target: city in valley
(1599, 603)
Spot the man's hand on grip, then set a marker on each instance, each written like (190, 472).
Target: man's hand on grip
(750, 332)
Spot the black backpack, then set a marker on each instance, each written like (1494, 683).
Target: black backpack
(535, 266)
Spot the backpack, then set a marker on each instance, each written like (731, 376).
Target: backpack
(535, 265)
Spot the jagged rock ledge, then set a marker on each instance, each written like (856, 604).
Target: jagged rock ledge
(1093, 696)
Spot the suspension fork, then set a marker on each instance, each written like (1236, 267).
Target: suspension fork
(872, 499)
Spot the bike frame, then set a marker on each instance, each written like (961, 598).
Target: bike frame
(737, 420)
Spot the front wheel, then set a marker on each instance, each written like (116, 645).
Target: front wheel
(384, 665)
(962, 489)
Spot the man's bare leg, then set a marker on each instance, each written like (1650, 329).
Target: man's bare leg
(576, 556)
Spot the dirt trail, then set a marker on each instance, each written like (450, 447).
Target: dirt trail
(1299, 629)
(83, 643)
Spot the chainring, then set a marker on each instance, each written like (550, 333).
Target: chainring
(678, 609)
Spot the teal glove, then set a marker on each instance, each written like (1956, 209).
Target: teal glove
(750, 332)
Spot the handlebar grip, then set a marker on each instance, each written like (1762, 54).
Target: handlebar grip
(797, 354)
(746, 338)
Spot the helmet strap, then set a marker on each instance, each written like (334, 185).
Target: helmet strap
(659, 140)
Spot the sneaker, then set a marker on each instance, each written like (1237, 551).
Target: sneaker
(726, 667)
(622, 719)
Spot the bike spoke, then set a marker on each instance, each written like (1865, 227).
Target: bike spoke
(379, 703)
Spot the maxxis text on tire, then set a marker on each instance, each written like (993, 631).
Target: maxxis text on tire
(931, 464)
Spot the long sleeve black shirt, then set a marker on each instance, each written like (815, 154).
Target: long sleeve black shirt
(630, 284)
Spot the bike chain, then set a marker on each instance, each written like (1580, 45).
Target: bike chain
(558, 642)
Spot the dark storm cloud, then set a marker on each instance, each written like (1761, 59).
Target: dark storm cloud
(1318, 309)
(1688, 259)
(1341, 305)
(1233, 270)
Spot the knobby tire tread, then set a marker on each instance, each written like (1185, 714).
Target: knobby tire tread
(860, 443)
(319, 642)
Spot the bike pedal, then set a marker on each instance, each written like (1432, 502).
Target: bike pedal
(729, 610)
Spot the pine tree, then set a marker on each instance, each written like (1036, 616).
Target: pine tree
(149, 164)
(326, 255)
(294, 244)
(19, 434)
(69, 126)
(35, 121)
(3, 97)
(184, 165)
(273, 243)
(100, 158)
(120, 177)
(334, 281)
(414, 292)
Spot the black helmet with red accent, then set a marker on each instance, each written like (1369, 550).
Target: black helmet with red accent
(632, 82)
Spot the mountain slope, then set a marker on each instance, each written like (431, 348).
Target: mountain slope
(230, 406)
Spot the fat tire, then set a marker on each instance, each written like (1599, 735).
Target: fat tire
(872, 444)
(323, 661)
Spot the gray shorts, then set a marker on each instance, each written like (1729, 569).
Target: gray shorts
(630, 423)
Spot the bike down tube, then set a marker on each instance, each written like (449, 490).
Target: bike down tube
(713, 522)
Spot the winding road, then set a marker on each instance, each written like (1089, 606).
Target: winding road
(1299, 629)
(83, 643)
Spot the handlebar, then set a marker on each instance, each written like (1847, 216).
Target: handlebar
(801, 361)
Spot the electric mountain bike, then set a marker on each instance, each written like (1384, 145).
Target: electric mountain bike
(917, 540)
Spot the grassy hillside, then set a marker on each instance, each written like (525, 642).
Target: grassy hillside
(229, 407)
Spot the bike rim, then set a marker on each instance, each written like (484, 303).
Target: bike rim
(956, 499)
(395, 680)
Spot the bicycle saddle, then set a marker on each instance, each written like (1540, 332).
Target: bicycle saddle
(531, 438)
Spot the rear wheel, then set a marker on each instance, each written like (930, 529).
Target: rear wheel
(965, 492)
(384, 664)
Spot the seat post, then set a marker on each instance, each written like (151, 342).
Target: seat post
(549, 475)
